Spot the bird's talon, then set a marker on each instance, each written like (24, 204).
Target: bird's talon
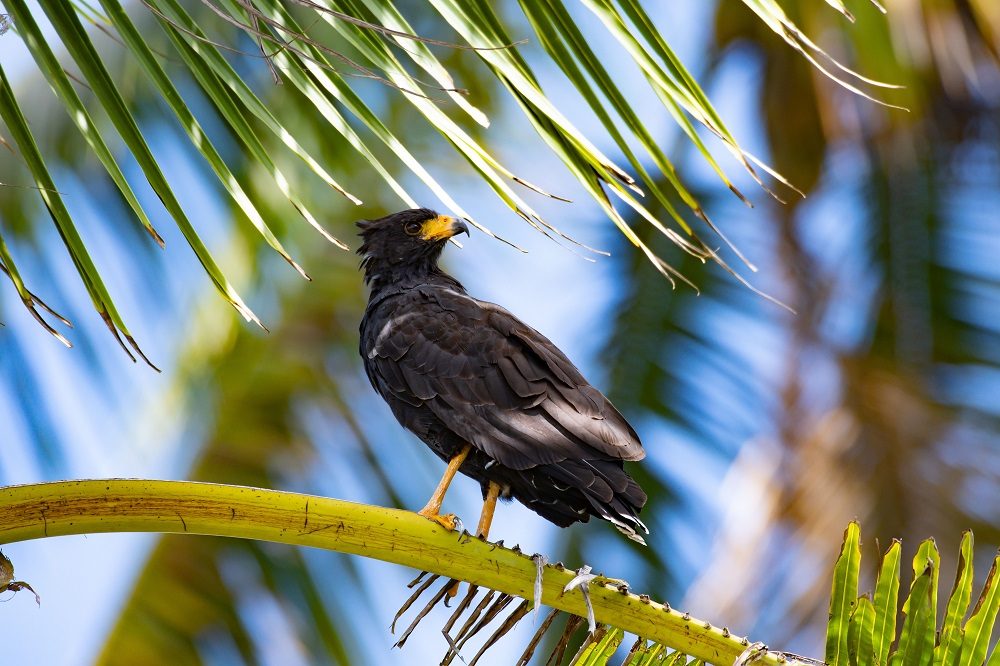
(449, 521)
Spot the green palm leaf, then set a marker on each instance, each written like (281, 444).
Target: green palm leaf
(860, 646)
(12, 116)
(843, 597)
(60, 83)
(374, 29)
(68, 25)
(950, 644)
(886, 601)
(978, 629)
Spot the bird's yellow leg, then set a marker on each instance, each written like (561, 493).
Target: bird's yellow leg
(432, 510)
(489, 507)
(485, 520)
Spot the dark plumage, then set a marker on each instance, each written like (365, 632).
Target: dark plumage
(458, 370)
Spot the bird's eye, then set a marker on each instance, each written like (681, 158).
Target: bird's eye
(412, 228)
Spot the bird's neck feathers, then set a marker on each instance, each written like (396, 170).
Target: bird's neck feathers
(393, 273)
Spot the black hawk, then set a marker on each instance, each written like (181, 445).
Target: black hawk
(490, 395)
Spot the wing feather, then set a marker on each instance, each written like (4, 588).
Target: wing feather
(498, 384)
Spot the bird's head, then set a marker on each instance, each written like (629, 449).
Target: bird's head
(407, 243)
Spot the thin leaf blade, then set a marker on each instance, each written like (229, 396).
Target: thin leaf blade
(860, 648)
(16, 123)
(950, 645)
(843, 596)
(886, 602)
(979, 628)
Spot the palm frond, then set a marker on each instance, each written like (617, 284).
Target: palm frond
(726, 380)
(371, 39)
(919, 642)
(13, 117)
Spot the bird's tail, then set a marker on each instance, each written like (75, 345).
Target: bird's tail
(610, 492)
(622, 510)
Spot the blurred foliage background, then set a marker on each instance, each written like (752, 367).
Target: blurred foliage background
(767, 431)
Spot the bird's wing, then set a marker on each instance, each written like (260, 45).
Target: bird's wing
(495, 381)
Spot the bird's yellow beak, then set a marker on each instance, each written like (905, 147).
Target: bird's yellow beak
(443, 227)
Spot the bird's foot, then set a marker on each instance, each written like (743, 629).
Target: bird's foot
(449, 521)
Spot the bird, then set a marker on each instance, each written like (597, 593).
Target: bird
(487, 393)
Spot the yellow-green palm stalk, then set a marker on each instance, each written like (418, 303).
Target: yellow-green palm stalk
(402, 537)
(861, 630)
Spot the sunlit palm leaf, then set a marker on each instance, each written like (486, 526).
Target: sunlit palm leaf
(687, 361)
(67, 24)
(950, 644)
(918, 636)
(374, 29)
(388, 16)
(212, 70)
(21, 133)
(60, 83)
(774, 16)
(565, 44)
(31, 301)
(842, 598)
(330, 87)
(886, 600)
(128, 31)
(860, 634)
(978, 630)
(377, 52)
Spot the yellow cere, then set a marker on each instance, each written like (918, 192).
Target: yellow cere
(442, 226)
